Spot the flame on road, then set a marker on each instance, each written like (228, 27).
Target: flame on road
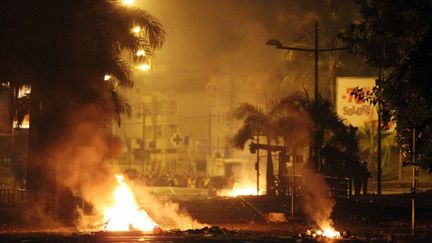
(327, 229)
(125, 214)
(240, 190)
(329, 233)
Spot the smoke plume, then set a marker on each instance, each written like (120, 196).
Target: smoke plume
(315, 200)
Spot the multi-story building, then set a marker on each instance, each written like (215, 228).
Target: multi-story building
(153, 142)
(223, 158)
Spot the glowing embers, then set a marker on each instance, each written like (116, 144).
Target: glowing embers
(328, 232)
(125, 214)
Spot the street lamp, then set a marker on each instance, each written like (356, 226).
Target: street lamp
(140, 53)
(144, 67)
(316, 51)
(128, 2)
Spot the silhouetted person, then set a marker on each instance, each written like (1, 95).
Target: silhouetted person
(365, 175)
(357, 179)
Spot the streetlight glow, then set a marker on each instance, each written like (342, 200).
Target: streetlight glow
(136, 29)
(140, 53)
(107, 77)
(144, 67)
(128, 2)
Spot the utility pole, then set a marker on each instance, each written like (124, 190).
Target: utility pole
(294, 157)
(379, 170)
(144, 152)
(379, 157)
(316, 50)
(316, 93)
(414, 182)
(257, 167)
(414, 165)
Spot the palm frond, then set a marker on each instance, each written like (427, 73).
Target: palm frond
(153, 28)
(252, 115)
(120, 69)
(242, 135)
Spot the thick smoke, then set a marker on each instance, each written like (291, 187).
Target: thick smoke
(82, 160)
(167, 214)
(82, 155)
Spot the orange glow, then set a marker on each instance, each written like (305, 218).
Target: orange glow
(125, 214)
(140, 53)
(329, 232)
(144, 67)
(107, 77)
(240, 190)
(136, 29)
(128, 2)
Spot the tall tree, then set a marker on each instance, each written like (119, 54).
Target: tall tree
(327, 128)
(396, 37)
(295, 120)
(63, 50)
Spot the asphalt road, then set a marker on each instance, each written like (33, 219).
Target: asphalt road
(367, 219)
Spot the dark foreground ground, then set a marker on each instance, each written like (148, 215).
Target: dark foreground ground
(363, 219)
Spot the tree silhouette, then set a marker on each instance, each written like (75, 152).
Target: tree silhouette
(62, 50)
(400, 44)
(295, 120)
(256, 122)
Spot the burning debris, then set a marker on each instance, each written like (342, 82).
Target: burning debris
(133, 209)
(125, 214)
(240, 190)
(327, 233)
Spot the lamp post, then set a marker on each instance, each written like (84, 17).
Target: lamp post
(316, 51)
(414, 181)
(416, 134)
(414, 165)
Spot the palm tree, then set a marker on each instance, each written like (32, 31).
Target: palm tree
(292, 121)
(286, 119)
(324, 126)
(296, 120)
(256, 122)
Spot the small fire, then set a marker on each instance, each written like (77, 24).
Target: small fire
(329, 233)
(239, 190)
(125, 214)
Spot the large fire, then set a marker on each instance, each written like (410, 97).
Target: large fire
(125, 214)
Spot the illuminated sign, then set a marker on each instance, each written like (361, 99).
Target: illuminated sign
(354, 111)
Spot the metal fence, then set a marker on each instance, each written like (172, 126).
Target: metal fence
(340, 187)
(11, 198)
(13, 202)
